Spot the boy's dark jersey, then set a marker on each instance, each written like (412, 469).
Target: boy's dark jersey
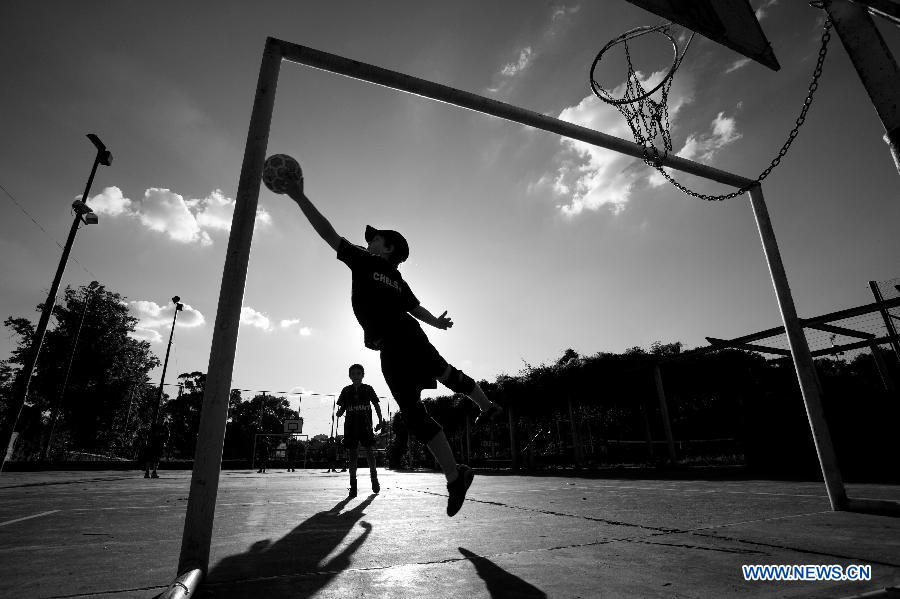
(380, 297)
(355, 401)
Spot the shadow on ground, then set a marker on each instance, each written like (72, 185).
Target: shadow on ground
(295, 565)
(500, 583)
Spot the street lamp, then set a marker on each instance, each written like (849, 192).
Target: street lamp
(152, 442)
(85, 215)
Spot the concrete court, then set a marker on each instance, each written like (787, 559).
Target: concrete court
(281, 535)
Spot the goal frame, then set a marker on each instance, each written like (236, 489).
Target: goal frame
(198, 523)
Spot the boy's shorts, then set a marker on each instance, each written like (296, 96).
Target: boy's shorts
(358, 430)
(411, 363)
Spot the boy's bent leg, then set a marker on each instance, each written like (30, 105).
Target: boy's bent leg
(459, 478)
(459, 382)
(440, 449)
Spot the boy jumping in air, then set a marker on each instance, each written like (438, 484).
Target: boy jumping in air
(384, 305)
(355, 400)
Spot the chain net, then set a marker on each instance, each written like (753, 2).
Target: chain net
(649, 119)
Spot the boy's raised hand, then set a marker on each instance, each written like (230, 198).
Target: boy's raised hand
(444, 321)
(295, 187)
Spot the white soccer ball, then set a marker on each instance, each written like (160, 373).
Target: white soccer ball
(279, 170)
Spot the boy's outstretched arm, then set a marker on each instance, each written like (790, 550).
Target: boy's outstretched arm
(319, 222)
(378, 411)
(439, 322)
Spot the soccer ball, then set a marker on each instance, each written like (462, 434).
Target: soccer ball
(278, 171)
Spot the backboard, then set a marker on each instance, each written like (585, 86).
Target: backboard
(293, 426)
(731, 23)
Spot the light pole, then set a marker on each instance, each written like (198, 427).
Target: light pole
(152, 444)
(83, 214)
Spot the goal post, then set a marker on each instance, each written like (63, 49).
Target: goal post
(201, 505)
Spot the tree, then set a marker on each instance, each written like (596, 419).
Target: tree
(103, 401)
(183, 414)
(263, 413)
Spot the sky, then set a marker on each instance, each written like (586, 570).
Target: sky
(532, 243)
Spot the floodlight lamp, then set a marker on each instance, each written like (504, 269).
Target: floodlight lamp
(104, 156)
(84, 212)
(179, 307)
(176, 299)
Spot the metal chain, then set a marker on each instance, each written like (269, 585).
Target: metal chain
(652, 155)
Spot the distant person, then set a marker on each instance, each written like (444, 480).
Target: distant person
(398, 445)
(263, 454)
(151, 453)
(334, 455)
(357, 400)
(384, 305)
(291, 450)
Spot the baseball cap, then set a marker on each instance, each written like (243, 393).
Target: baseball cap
(401, 248)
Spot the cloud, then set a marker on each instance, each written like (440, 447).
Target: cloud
(252, 318)
(703, 147)
(166, 212)
(153, 318)
(182, 220)
(589, 177)
(761, 12)
(142, 334)
(110, 202)
(737, 64)
(525, 55)
(293, 324)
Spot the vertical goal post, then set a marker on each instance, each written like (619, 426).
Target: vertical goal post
(198, 524)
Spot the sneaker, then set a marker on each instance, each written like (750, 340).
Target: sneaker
(376, 488)
(489, 415)
(146, 475)
(154, 475)
(457, 489)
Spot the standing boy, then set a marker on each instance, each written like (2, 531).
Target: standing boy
(384, 305)
(356, 400)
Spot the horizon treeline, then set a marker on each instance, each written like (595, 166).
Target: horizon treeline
(727, 406)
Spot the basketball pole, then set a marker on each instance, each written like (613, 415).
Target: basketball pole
(201, 507)
(803, 361)
(874, 63)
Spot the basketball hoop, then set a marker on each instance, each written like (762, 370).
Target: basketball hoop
(647, 118)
